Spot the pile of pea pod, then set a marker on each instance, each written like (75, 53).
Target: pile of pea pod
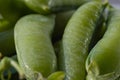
(59, 40)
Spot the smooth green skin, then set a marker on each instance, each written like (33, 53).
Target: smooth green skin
(60, 24)
(40, 6)
(48, 6)
(33, 44)
(76, 39)
(103, 62)
(59, 75)
(7, 46)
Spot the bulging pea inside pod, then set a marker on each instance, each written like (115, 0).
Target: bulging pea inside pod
(34, 47)
(103, 62)
(76, 39)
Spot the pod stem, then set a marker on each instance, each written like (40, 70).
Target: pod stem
(17, 67)
(6, 63)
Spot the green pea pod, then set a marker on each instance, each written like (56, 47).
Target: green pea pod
(103, 62)
(7, 46)
(59, 28)
(48, 6)
(76, 39)
(33, 44)
(40, 6)
(56, 76)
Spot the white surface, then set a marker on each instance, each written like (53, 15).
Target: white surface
(115, 3)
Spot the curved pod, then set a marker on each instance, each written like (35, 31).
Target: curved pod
(33, 44)
(103, 62)
(76, 39)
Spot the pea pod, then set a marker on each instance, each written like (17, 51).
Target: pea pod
(103, 62)
(33, 44)
(76, 39)
(48, 6)
(56, 76)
